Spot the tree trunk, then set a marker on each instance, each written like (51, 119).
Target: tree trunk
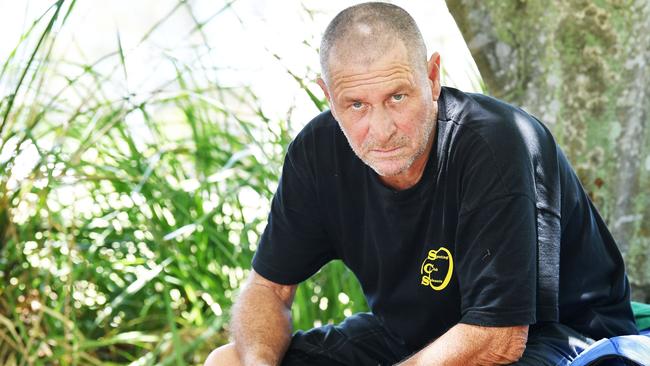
(582, 68)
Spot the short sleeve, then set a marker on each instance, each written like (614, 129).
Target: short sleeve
(496, 237)
(497, 263)
(294, 244)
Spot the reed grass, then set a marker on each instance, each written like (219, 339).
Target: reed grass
(125, 238)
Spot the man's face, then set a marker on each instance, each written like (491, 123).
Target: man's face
(385, 109)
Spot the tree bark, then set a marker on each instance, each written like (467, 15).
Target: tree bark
(582, 68)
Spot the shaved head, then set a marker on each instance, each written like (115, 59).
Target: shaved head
(364, 32)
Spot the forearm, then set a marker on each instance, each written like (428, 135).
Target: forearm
(261, 326)
(473, 345)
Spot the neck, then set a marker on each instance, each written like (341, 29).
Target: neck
(403, 181)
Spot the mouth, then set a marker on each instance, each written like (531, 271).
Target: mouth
(385, 151)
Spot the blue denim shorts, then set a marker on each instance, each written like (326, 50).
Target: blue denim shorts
(362, 340)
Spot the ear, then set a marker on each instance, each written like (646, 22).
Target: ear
(323, 87)
(433, 71)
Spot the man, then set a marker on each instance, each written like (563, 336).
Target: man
(469, 232)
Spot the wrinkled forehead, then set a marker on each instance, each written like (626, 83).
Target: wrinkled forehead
(347, 61)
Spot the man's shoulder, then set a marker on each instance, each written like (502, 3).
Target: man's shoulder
(477, 110)
(502, 126)
(322, 126)
(319, 145)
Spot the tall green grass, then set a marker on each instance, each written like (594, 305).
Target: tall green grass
(128, 223)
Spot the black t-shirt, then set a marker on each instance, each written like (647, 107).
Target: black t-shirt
(498, 232)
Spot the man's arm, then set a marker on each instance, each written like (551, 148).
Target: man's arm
(466, 344)
(261, 321)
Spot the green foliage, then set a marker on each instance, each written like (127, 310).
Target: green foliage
(126, 238)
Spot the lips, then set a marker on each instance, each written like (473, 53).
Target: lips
(386, 151)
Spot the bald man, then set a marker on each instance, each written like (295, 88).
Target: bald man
(468, 230)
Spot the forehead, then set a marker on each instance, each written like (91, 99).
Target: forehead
(358, 55)
(353, 71)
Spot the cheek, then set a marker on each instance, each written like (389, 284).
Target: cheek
(409, 121)
(356, 130)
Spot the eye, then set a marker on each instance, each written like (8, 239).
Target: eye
(398, 97)
(357, 105)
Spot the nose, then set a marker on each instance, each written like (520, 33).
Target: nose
(382, 125)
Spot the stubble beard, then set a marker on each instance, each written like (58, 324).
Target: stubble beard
(400, 163)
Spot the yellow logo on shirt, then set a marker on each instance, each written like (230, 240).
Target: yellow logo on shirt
(430, 269)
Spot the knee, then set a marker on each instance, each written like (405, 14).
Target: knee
(225, 355)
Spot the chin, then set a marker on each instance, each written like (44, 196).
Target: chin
(389, 169)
